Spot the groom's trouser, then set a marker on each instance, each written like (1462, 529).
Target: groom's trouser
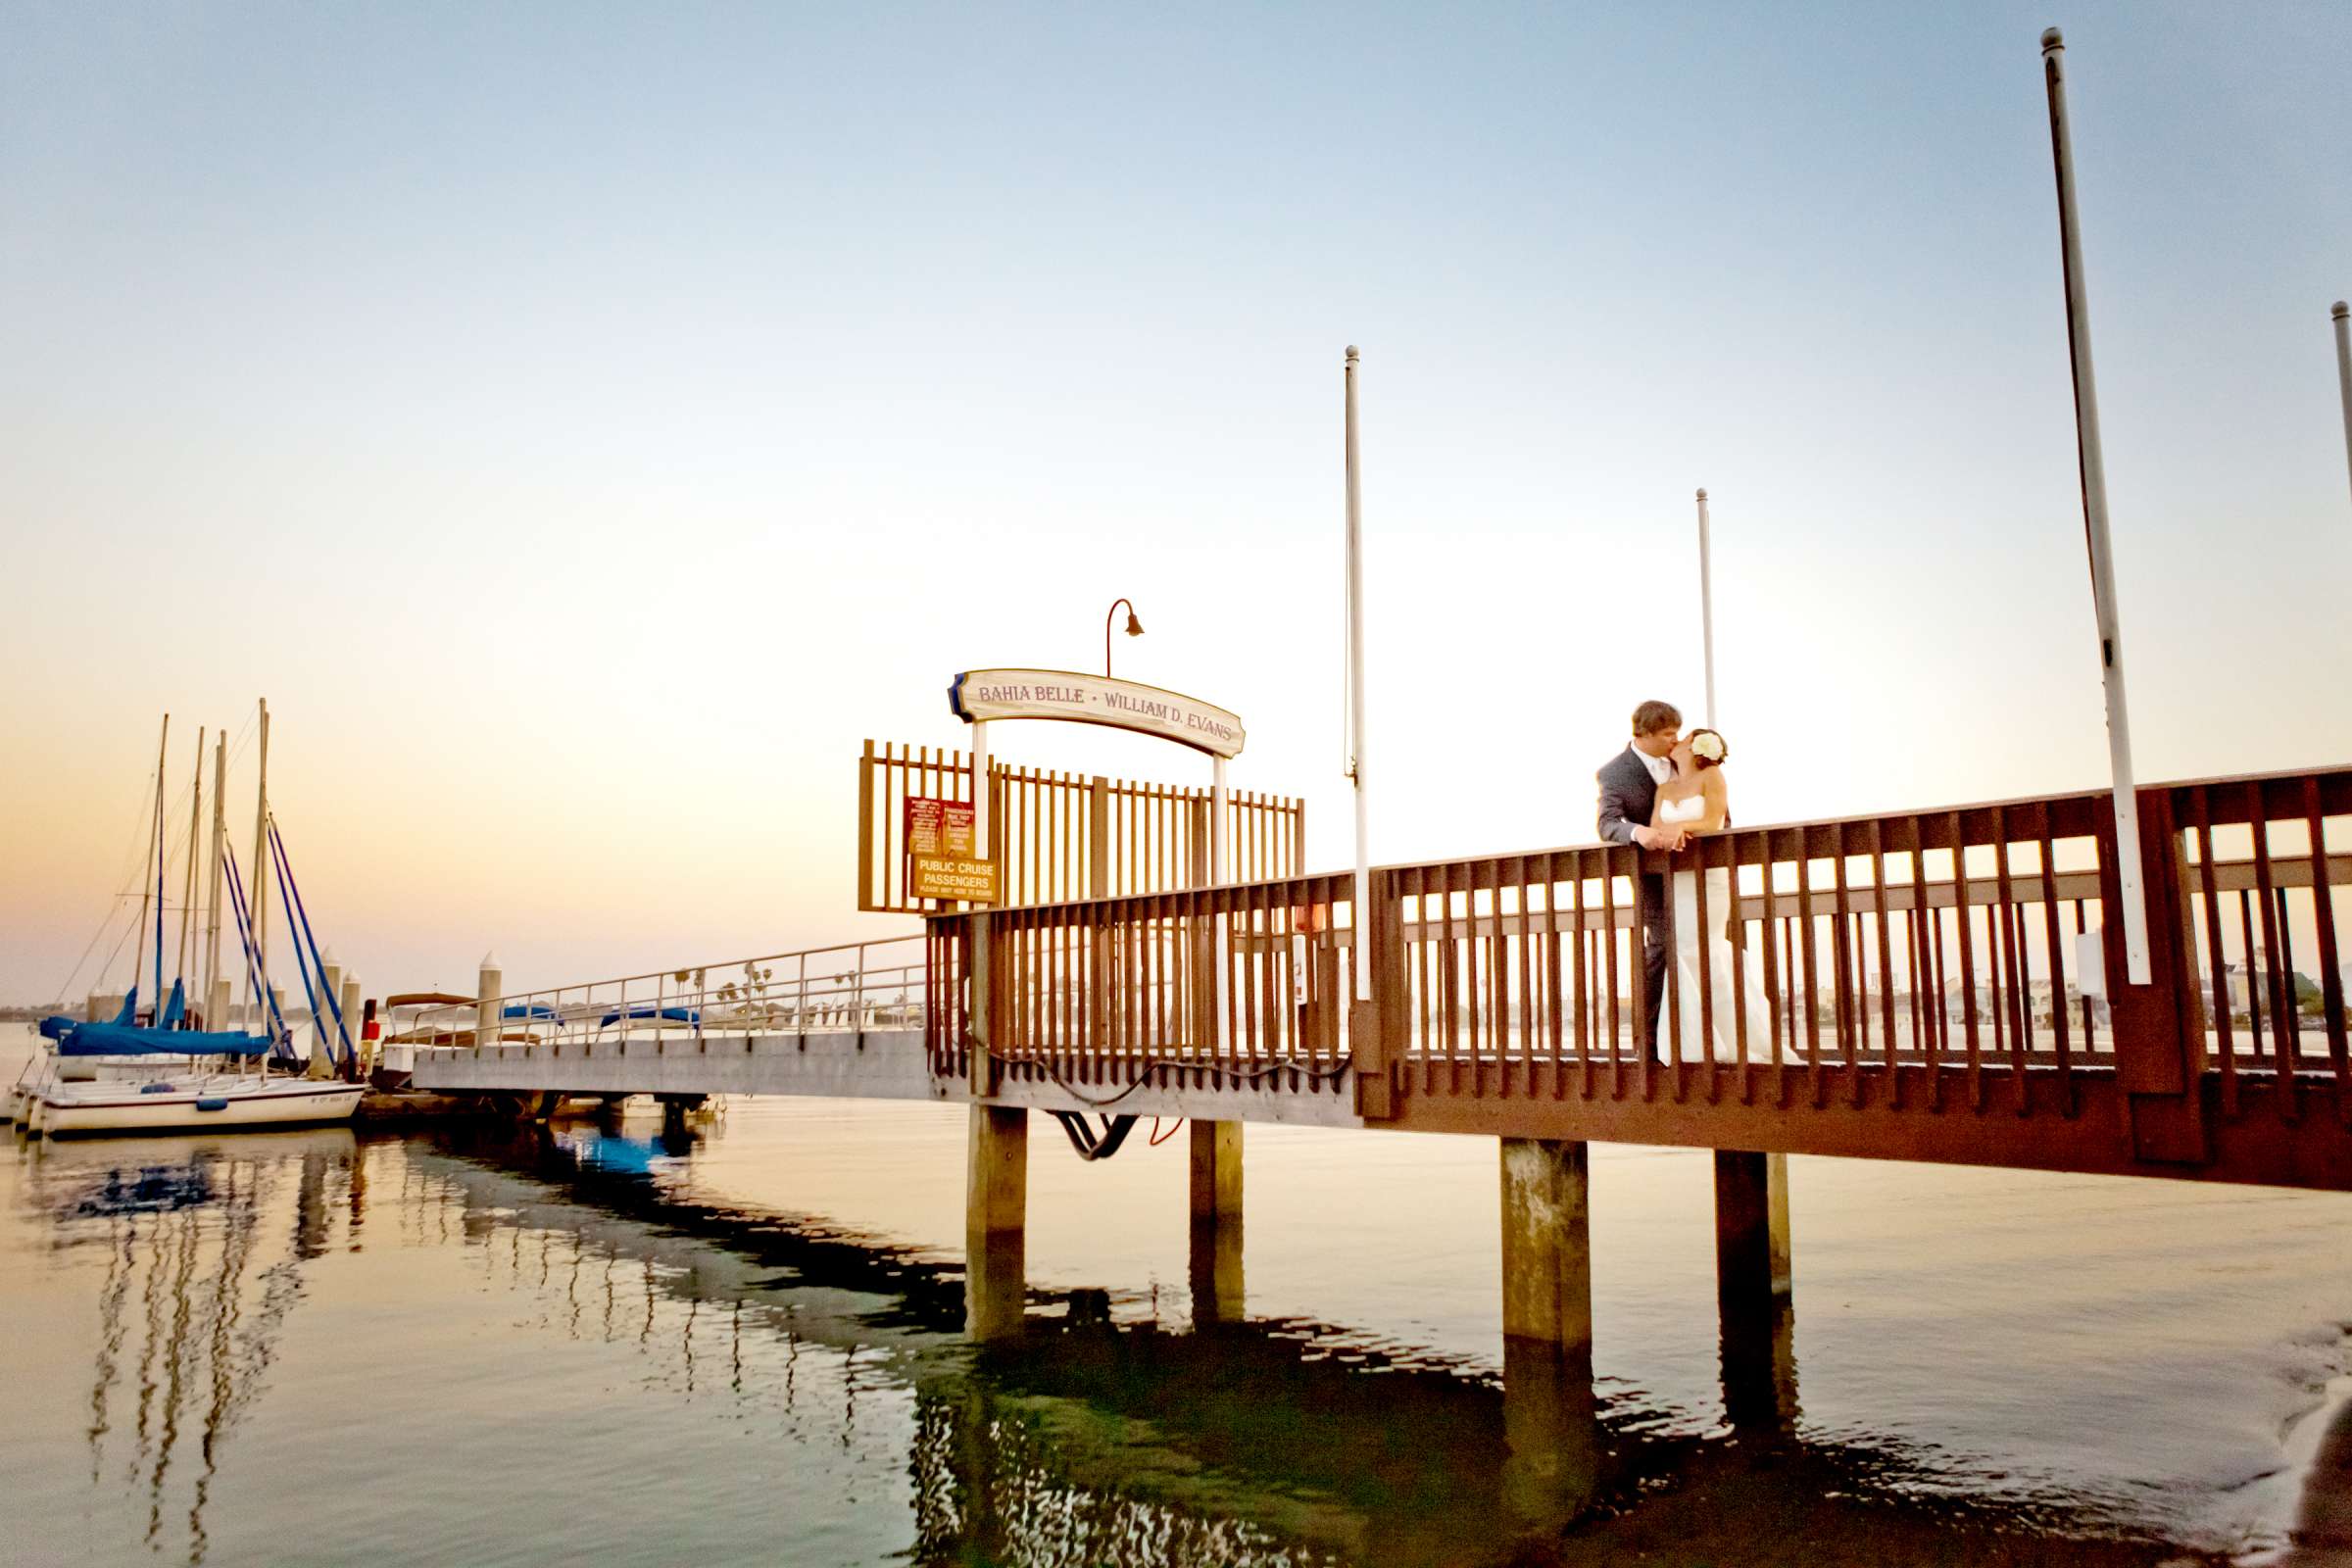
(1657, 942)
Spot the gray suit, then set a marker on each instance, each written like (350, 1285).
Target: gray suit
(1628, 796)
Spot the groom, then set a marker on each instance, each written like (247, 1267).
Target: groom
(1628, 793)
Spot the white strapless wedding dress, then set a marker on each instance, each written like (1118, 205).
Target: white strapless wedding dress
(1688, 935)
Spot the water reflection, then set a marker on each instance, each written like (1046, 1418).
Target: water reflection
(1265, 1441)
(1759, 1367)
(192, 1295)
(809, 1367)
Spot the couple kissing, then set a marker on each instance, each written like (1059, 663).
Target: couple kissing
(1665, 788)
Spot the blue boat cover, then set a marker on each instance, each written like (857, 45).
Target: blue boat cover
(57, 1025)
(674, 1014)
(123, 1040)
(530, 1010)
(175, 1009)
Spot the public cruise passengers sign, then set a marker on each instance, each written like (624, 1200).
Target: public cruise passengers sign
(992, 694)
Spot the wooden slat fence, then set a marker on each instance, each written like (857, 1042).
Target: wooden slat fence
(1063, 836)
(1917, 959)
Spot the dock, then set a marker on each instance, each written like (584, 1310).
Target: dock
(1924, 989)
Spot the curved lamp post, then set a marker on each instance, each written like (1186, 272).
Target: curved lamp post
(1135, 628)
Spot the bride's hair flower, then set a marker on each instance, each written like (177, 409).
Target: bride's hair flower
(1707, 746)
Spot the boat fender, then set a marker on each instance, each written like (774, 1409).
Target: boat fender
(215, 1103)
(155, 1089)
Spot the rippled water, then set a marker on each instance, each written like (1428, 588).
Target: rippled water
(741, 1344)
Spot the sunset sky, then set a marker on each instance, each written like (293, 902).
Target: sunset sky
(586, 424)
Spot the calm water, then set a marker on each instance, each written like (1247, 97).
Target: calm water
(741, 1346)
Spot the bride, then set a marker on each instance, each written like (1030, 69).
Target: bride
(1694, 802)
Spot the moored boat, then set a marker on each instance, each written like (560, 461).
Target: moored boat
(178, 1104)
(163, 1070)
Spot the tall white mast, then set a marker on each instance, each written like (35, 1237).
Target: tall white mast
(155, 877)
(187, 895)
(1355, 698)
(2094, 523)
(257, 875)
(211, 919)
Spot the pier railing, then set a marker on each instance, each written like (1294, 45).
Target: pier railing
(1961, 955)
(854, 987)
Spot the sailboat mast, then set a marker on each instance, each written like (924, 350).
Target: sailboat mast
(159, 870)
(146, 879)
(259, 893)
(187, 895)
(212, 919)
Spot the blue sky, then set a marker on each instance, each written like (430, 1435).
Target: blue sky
(587, 423)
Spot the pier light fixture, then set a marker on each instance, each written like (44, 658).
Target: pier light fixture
(1135, 628)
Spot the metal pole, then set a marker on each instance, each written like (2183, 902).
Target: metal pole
(2095, 521)
(976, 976)
(1135, 628)
(259, 892)
(157, 1012)
(211, 919)
(1355, 694)
(187, 894)
(1218, 874)
(1706, 606)
(2344, 371)
(980, 791)
(151, 876)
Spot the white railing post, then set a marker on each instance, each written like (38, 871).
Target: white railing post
(490, 981)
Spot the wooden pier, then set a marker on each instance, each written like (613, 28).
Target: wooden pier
(1922, 986)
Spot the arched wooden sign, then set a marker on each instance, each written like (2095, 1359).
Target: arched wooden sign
(983, 695)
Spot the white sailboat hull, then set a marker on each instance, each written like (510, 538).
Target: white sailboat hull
(66, 1110)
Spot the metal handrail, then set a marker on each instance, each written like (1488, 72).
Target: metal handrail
(730, 997)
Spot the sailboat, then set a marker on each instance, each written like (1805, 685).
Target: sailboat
(167, 1075)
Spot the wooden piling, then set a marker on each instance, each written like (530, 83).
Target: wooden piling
(1216, 1222)
(1547, 1245)
(1548, 1415)
(996, 1206)
(1752, 1262)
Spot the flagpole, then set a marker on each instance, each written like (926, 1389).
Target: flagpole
(1362, 912)
(2095, 521)
(2344, 371)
